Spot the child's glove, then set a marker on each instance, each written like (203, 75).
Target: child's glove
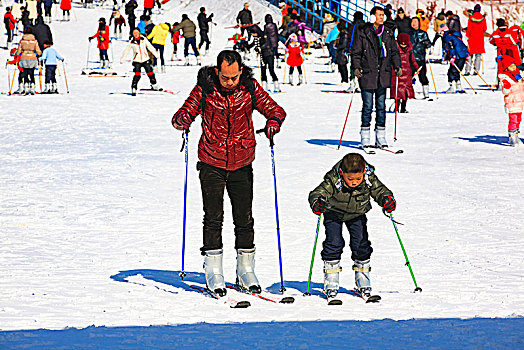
(499, 58)
(90, 38)
(452, 60)
(518, 77)
(389, 204)
(319, 206)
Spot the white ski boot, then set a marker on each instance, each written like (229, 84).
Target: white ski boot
(54, 88)
(365, 137)
(133, 91)
(331, 277)
(459, 88)
(187, 61)
(20, 89)
(276, 86)
(452, 87)
(362, 269)
(199, 61)
(156, 87)
(47, 89)
(265, 85)
(300, 79)
(27, 89)
(214, 272)
(425, 91)
(380, 137)
(514, 139)
(163, 69)
(246, 277)
(291, 79)
(32, 91)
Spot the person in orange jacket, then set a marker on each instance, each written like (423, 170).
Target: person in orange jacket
(424, 21)
(102, 36)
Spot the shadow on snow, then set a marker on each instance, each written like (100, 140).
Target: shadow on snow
(326, 142)
(491, 139)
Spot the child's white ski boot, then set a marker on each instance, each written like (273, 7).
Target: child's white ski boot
(246, 277)
(514, 139)
(362, 269)
(276, 86)
(214, 272)
(459, 89)
(331, 278)
(300, 79)
(291, 79)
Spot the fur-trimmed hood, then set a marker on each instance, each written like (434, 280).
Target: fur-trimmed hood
(208, 79)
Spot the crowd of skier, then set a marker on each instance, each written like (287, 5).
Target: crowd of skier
(372, 56)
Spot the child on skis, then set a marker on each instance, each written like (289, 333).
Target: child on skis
(102, 36)
(16, 61)
(513, 91)
(175, 39)
(344, 198)
(50, 57)
(141, 46)
(119, 22)
(457, 53)
(295, 58)
(404, 90)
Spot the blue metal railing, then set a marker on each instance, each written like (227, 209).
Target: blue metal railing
(313, 12)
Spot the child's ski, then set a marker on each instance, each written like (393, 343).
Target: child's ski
(398, 151)
(235, 304)
(368, 299)
(332, 301)
(271, 298)
(368, 150)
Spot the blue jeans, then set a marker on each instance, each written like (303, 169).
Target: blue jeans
(380, 106)
(334, 243)
(190, 42)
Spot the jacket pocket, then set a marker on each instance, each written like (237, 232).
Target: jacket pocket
(247, 143)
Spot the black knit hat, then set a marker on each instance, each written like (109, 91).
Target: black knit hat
(501, 22)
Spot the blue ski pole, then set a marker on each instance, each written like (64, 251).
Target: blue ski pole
(184, 146)
(271, 144)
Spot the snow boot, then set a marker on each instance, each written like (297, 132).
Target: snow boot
(459, 88)
(20, 89)
(54, 88)
(187, 61)
(27, 89)
(514, 139)
(291, 79)
(199, 61)
(133, 91)
(365, 137)
(380, 137)
(331, 277)
(362, 269)
(163, 69)
(246, 277)
(156, 87)
(425, 91)
(452, 87)
(214, 273)
(32, 91)
(276, 86)
(47, 89)
(265, 85)
(300, 79)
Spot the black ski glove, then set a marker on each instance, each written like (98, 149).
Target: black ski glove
(319, 206)
(358, 73)
(389, 204)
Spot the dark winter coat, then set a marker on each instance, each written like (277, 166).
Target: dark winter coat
(245, 17)
(405, 82)
(42, 32)
(25, 18)
(228, 135)
(420, 41)
(130, 9)
(354, 31)
(261, 43)
(391, 25)
(149, 28)
(271, 31)
(188, 28)
(343, 43)
(454, 45)
(348, 203)
(454, 24)
(403, 25)
(365, 55)
(203, 21)
(48, 3)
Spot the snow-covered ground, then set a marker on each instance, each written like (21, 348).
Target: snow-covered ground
(91, 202)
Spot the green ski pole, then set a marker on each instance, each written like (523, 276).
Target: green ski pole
(313, 257)
(417, 288)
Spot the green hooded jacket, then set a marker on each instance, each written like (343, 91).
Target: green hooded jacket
(348, 203)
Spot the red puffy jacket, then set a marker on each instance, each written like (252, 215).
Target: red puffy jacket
(228, 136)
(475, 33)
(103, 38)
(148, 4)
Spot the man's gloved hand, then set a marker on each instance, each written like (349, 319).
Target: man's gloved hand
(389, 204)
(358, 73)
(181, 123)
(272, 128)
(90, 38)
(319, 206)
(398, 72)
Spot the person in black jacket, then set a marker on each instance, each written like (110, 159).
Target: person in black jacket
(390, 23)
(266, 53)
(203, 25)
(354, 30)
(271, 31)
(130, 8)
(372, 56)
(420, 41)
(42, 32)
(453, 22)
(245, 17)
(403, 22)
(341, 45)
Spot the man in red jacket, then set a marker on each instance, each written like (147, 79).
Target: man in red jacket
(225, 96)
(475, 33)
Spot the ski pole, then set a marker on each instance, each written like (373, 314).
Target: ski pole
(40, 77)
(480, 76)
(307, 293)
(417, 288)
(305, 76)
(65, 76)
(347, 115)
(9, 78)
(185, 146)
(396, 110)
(271, 144)
(88, 49)
(12, 81)
(433, 78)
(454, 65)
(285, 66)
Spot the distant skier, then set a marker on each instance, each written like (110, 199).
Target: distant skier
(189, 32)
(420, 41)
(158, 39)
(244, 19)
(102, 37)
(119, 20)
(266, 54)
(513, 90)
(404, 91)
(341, 46)
(457, 53)
(140, 47)
(226, 96)
(203, 26)
(16, 62)
(130, 8)
(295, 58)
(50, 58)
(505, 41)
(9, 22)
(28, 49)
(475, 31)
(175, 40)
(344, 199)
(65, 6)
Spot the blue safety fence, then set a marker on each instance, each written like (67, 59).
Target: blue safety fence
(312, 12)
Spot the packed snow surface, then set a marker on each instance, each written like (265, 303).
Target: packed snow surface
(92, 198)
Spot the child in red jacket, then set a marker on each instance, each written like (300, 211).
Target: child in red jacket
(294, 58)
(16, 61)
(102, 36)
(175, 39)
(513, 91)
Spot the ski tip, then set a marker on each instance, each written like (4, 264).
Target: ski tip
(306, 294)
(335, 302)
(373, 299)
(287, 300)
(241, 305)
(399, 151)
(418, 289)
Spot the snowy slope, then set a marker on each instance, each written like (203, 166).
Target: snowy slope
(92, 184)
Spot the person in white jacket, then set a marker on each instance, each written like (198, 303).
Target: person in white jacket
(141, 48)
